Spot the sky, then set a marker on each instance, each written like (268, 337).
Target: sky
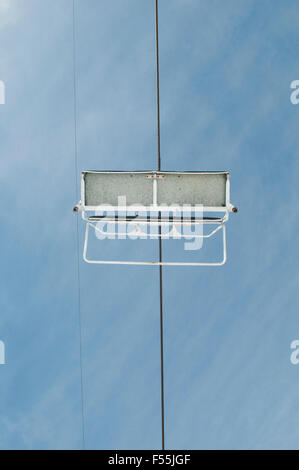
(226, 70)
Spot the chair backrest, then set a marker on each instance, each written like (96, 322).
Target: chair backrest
(102, 189)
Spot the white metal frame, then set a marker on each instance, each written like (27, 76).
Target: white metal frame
(220, 222)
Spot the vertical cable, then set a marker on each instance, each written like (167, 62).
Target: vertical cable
(161, 342)
(77, 222)
(158, 86)
(160, 239)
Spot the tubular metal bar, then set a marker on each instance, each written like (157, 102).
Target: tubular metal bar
(148, 220)
(154, 263)
(163, 236)
(158, 221)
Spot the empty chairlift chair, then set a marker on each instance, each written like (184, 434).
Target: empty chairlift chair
(159, 201)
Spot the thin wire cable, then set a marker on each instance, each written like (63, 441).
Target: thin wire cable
(77, 222)
(160, 240)
(158, 86)
(162, 346)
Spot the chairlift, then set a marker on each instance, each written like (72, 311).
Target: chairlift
(128, 201)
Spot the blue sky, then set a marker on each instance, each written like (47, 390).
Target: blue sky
(226, 69)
